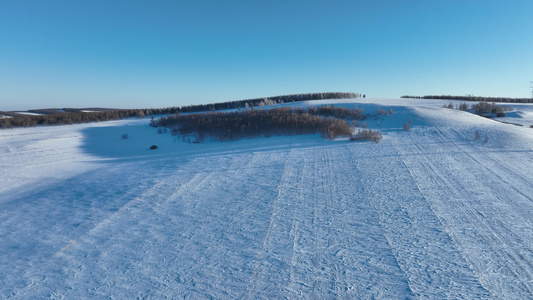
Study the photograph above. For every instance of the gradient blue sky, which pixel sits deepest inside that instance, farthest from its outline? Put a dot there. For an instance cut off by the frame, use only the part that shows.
(135, 54)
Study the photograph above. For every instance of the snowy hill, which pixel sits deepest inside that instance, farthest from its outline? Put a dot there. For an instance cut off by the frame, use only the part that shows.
(427, 213)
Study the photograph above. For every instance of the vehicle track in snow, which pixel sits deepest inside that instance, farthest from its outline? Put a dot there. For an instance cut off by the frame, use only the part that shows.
(487, 216)
(183, 217)
(428, 257)
(323, 240)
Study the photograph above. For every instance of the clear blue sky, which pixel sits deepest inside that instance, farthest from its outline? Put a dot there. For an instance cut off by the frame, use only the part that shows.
(134, 54)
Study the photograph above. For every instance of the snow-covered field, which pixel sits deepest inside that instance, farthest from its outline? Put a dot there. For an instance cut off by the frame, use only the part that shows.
(426, 213)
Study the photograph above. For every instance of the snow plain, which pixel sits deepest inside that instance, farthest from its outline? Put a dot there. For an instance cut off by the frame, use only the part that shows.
(426, 213)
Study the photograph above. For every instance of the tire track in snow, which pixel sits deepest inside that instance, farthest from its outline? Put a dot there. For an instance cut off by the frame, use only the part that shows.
(519, 260)
(173, 200)
(487, 233)
(322, 231)
(483, 201)
(203, 217)
(154, 193)
(425, 252)
(238, 218)
(259, 280)
(496, 162)
(350, 213)
(72, 208)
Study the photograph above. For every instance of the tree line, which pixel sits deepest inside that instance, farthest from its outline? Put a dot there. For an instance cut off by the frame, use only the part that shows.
(66, 118)
(75, 116)
(258, 102)
(474, 98)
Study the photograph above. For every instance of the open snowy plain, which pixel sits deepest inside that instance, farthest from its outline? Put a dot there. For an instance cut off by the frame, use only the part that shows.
(426, 213)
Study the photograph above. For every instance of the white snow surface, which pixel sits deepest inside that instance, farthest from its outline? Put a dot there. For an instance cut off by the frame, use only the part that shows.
(429, 213)
(27, 113)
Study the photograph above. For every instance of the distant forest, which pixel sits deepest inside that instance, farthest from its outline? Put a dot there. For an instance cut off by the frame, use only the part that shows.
(75, 116)
(329, 121)
(474, 98)
(266, 101)
(66, 118)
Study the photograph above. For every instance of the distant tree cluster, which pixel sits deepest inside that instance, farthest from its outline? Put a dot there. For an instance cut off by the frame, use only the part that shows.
(382, 111)
(474, 98)
(486, 108)
(253, 123)
(482, 108)
(462, 106)
(367, 135)
(337, 112)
